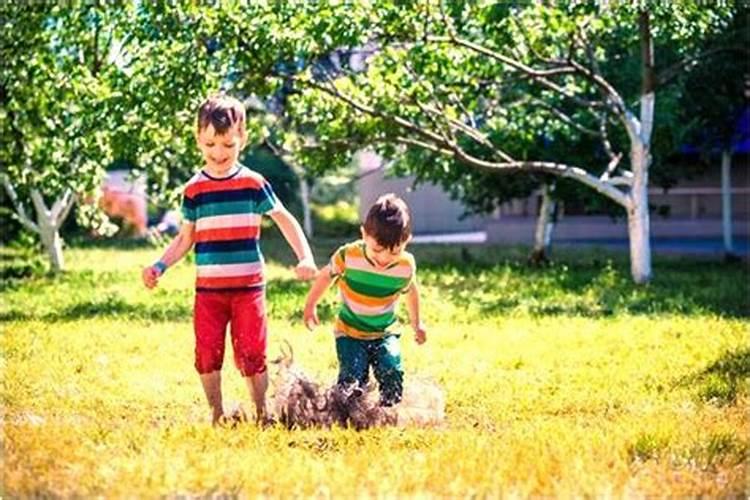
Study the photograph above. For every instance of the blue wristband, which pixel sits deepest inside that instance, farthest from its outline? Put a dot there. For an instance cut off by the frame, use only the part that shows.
(160, 266)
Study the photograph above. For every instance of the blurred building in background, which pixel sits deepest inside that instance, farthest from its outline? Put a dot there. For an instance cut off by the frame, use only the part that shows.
(692, 209)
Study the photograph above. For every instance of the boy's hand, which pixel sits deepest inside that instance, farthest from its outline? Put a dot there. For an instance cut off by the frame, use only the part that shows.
(310, 317)
(150, 276)
(306, 269)
(420, 334)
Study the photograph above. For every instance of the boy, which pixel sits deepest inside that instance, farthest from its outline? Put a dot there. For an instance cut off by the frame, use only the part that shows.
(372, 273)
(222, 208)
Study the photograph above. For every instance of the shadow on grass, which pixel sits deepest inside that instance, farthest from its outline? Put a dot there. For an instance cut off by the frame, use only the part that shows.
(480, 281)
(109, 306)
(285, 300)
(724, 380)
(584, 283)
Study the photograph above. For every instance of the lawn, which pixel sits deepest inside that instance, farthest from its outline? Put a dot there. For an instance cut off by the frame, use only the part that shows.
(561, 381)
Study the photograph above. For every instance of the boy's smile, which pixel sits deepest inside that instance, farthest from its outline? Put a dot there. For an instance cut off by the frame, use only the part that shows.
(220, 151)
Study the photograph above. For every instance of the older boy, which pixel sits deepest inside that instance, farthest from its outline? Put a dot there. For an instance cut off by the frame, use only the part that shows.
(222, 208)
(372, 273)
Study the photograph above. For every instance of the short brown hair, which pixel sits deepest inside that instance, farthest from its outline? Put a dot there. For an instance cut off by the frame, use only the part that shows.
(223, 112)
(388, 221)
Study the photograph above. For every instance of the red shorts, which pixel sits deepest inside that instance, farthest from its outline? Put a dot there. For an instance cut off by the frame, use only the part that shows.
(245, 311)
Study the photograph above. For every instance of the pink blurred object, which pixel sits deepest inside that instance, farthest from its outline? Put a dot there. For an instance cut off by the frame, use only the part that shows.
(124, 196)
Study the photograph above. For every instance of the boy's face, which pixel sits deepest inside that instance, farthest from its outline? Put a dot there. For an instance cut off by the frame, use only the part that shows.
(220, 151)
(382, 256)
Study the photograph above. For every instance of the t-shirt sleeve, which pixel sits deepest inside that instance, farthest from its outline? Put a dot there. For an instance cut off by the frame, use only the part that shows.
(338, 263)
(266, 200)
(412, 275)
(188, 208)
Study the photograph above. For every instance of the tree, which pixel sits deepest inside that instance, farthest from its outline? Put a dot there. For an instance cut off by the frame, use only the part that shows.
(473, 84)
(55, 120)
(716, 97)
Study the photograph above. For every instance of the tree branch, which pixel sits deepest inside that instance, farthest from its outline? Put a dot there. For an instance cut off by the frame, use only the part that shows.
(565, 118)
(39, 205)
(438, 144)
(363, 108)
(537, 75)
(559, 169)
(62, 207)
(20, 212)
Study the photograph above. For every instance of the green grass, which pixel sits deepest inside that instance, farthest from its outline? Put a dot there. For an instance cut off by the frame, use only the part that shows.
(567, 380)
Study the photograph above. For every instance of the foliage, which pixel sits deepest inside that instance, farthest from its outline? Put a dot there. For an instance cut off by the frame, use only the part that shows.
(281, 176)
(417, 81)
(55, 96)
(570, 382)
(336, 220)
(716, 91)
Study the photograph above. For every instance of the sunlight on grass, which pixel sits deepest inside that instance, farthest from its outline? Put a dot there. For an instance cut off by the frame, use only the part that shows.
(565, 381)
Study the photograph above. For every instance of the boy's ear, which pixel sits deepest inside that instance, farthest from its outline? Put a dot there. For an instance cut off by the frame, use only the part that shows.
(362, 231)
(243, 139)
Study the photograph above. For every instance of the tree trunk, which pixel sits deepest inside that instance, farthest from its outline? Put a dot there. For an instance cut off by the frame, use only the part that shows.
(639, 225)
(48, 222)
(52, 243)
(638, 217)
(545, 224)
(726, 201)
(304, 195)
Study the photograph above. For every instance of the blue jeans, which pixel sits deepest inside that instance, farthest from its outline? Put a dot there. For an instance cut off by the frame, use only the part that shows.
(384, 355)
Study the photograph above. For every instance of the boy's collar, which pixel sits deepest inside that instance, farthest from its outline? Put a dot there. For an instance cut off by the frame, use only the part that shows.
(372, 262)
(234, 170)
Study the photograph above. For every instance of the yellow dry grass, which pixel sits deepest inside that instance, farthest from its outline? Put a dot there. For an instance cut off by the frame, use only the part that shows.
(100, 399)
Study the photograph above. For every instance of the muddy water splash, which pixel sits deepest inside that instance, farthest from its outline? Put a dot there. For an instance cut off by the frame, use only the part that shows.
(300, 402)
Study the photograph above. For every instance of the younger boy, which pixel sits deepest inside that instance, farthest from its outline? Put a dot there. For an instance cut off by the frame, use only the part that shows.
(372, 273)
(222, 208)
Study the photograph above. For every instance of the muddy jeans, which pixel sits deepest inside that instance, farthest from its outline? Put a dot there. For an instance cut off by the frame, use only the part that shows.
(384, 355)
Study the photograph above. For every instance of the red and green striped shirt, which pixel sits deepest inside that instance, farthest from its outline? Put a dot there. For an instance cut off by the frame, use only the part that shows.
(227, 215)
(369, 293)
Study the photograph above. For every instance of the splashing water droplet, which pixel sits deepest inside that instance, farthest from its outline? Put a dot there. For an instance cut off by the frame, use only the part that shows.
(300, 402)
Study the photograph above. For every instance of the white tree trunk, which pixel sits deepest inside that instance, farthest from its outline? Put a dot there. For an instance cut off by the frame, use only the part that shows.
(52, 243)
(726, 201)
(638, 217)
(49, 222)
(545, 224)
(304, 195)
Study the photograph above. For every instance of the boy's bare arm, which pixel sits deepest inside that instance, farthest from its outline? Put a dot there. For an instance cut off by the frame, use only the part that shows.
(180, 245)
(412, 306)
(319, 287)
(294, 235)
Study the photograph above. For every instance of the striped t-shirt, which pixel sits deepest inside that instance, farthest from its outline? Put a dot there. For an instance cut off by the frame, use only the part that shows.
(227, 214)
(369, 293)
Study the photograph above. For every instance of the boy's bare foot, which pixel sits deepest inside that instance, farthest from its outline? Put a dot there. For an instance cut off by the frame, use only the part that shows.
(266, 421)
(236, 417)
(221, 421)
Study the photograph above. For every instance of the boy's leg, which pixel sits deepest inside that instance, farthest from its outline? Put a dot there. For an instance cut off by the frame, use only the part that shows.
(210, 317)
(249, 341)
(353, 365)
(257, 385)
(212, 388)
(386, 364)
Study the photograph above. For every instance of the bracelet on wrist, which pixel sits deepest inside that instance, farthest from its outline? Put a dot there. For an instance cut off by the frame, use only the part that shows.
(160, 266)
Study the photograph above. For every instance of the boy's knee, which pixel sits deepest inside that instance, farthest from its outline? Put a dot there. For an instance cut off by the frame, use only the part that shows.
(251, 364)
